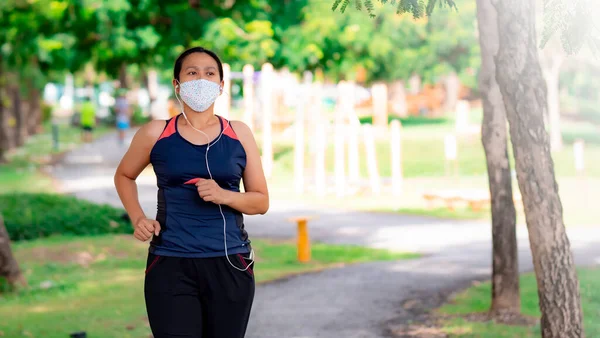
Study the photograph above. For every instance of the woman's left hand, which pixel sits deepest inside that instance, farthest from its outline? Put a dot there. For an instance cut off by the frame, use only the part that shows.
(210, 191)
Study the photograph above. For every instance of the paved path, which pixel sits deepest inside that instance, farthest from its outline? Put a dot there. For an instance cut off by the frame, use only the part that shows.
(355, 301)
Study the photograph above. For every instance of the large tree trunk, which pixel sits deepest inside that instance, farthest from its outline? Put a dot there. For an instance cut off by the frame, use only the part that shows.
(505, 262)
(9, 268)
(524, 91)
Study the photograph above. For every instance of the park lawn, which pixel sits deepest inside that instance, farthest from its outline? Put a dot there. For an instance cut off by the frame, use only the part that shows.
(423, 153)
(478, 299)
(23, 174)
(97, 282)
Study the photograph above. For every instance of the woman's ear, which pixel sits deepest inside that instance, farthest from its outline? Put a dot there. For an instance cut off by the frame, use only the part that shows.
(176, 85)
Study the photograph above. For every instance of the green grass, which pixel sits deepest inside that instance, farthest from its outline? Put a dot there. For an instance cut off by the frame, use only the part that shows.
(477, 299)
(458, 213)
(22, 173)
(98, 282)
(410, 120)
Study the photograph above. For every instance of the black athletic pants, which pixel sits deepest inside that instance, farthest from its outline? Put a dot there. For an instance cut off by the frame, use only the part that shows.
(198, 297)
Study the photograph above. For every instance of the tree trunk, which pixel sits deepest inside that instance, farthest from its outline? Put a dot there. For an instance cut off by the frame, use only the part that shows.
(505, 262)
(398, 98)
(523, 89)
(35, 111)
(123, 76)
(452, 88)
(4, 142)
(414, 84)
(9, 268)
(34, 117)
(20, 119)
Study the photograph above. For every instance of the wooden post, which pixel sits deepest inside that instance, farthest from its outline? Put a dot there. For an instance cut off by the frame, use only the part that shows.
(353, 152)
(380, 105)
(248, 72)
(340, 173)
(303, 238)
(396, 148)
(371, 159)
(314, 113)
(321, 145)
(267, 75)
(223, 104)
(340, 140)
(347, 113)
(462, 116)
(299, 144)
(450, 152)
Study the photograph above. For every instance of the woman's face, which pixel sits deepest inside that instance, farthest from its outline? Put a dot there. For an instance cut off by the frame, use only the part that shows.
(197, 66)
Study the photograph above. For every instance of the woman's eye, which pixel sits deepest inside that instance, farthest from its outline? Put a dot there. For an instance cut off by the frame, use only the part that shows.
(210, 73)
(191, 73)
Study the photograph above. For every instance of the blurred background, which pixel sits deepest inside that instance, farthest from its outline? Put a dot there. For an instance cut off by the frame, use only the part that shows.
(368, 127)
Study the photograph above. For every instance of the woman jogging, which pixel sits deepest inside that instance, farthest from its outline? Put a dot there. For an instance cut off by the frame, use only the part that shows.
(199, 273)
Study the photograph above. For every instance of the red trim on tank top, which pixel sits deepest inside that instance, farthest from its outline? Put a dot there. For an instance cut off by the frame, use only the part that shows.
(228, 129)
(169, 130)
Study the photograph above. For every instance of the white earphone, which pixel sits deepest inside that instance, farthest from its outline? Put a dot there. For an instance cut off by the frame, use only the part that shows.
(208, 145)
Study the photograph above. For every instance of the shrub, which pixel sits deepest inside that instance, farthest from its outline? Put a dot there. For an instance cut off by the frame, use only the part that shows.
(30, 216)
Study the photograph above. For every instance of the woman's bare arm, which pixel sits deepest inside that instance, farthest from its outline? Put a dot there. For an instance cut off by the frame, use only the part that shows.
(133, 163)
(255, 199)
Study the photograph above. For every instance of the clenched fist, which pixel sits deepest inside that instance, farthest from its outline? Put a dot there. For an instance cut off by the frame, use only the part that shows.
(144, 228)
(210, 191)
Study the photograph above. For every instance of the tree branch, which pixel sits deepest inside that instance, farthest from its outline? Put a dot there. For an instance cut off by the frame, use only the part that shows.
(418, 8)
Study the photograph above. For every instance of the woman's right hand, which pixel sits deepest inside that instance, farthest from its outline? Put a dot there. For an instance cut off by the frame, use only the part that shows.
(144, 228)
(133, 163)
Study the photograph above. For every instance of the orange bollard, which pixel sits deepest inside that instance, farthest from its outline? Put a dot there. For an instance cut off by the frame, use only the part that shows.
(303, 240)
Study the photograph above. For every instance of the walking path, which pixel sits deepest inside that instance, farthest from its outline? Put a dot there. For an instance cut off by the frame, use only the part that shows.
(356, 301)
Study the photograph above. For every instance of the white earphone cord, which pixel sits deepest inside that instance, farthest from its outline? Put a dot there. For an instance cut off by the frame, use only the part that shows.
(211, 177)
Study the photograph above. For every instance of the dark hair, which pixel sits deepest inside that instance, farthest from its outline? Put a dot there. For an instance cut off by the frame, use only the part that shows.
(179, 61)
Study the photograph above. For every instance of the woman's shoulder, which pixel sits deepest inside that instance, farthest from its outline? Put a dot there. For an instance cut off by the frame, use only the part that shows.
(241, 129)
(152, 130)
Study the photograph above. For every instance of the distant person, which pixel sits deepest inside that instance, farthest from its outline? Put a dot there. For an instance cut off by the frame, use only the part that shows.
(87, 119)
(123, 114)
(199, 271)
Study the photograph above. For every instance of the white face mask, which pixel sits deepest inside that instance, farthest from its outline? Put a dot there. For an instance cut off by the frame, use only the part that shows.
(199, 94)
